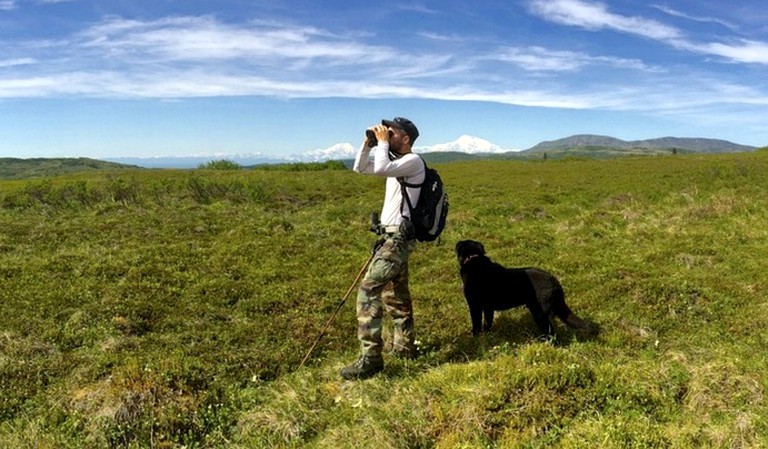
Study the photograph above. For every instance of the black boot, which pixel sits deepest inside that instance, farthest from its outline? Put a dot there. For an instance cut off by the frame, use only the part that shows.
(365, 367)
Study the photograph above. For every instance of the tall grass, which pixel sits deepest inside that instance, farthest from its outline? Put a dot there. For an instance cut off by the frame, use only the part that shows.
(172, 308)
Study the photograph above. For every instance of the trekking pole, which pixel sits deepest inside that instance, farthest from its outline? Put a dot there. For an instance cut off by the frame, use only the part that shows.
(351, 287)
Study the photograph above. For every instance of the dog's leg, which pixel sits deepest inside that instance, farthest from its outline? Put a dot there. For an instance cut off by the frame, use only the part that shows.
(541, 318)
(488, 315)
(476, 315)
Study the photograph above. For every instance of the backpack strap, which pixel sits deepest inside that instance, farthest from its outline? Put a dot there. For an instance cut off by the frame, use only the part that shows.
(404, 184)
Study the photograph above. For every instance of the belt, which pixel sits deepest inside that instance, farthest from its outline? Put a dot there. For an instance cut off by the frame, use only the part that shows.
(389, 229)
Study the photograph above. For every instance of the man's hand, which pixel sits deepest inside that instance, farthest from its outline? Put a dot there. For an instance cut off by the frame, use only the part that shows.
(382, 133)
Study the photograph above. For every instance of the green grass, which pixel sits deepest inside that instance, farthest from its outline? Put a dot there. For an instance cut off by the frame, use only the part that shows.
(172, 309)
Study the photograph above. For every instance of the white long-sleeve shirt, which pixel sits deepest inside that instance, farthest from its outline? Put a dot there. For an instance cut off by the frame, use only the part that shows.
(409, 166)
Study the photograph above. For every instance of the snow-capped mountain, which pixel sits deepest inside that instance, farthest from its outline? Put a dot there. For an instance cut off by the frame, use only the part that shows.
(339, 151)
(464, 144)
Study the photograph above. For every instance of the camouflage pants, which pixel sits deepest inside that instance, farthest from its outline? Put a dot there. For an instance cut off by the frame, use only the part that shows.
(386, 285)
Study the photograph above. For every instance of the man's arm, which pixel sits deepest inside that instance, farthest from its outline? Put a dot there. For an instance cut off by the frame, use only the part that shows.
(406, 166)
(362, 160)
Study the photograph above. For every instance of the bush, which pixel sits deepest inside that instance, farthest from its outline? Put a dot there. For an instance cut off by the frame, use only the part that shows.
(305, 166)
(223, 164)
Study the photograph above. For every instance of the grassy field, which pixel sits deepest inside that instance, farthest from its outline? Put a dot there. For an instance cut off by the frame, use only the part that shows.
(171, 309)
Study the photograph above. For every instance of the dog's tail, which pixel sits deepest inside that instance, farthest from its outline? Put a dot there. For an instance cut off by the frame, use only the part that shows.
(566, 315)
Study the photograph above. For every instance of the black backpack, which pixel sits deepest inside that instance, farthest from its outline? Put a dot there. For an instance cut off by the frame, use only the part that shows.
(429, 214)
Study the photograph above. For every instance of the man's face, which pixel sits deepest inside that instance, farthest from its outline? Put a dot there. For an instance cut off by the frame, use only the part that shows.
(396, 136)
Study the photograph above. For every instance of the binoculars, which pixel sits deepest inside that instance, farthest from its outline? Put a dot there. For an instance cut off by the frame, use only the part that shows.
(372, 140)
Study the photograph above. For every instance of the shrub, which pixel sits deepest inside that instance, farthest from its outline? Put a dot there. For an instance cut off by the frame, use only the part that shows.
(222, 164)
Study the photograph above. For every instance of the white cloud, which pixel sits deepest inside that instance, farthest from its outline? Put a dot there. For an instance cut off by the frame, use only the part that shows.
(595, 16)
(747, 51)
(204, 38)
(676, 13)
(542, 59)
(9, 5)
(414, 7)
(200, 56)
(16, 62)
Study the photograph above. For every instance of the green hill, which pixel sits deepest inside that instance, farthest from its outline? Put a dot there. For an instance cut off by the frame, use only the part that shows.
(15, 168)
(172, 308)
(601, 147)
(598, 152)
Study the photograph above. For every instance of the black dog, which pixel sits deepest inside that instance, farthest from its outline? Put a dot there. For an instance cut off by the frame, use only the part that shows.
(489, 287)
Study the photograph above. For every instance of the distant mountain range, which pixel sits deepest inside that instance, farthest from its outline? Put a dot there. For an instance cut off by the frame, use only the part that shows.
(696, 145)
(465, 147)
(341, 151)
(584, 145)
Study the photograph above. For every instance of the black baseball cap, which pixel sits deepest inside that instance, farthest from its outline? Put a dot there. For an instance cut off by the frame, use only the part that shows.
(404, 124)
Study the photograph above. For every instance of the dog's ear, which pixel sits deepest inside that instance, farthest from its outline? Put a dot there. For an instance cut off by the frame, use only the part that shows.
(476, 247)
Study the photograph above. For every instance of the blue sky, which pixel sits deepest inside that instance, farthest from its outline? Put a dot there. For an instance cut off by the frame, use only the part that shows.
(140, 78)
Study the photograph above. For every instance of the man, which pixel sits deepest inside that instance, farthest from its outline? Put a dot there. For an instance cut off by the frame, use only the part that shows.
(386, 282)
